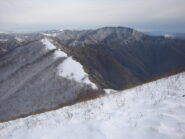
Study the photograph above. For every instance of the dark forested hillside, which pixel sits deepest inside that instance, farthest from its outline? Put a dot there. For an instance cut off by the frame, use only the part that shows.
(111, 57)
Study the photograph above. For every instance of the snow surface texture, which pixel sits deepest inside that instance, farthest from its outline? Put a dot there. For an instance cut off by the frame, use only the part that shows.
(152, 111)
(48, 44)
(70, 68)
(19, 39)
(73, 70)
(60, 53)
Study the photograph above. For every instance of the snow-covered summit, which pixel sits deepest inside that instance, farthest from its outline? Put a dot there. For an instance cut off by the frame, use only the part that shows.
(155, 110)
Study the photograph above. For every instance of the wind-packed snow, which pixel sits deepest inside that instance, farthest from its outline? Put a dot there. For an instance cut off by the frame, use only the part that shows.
(19, 39)
(70, 68)
(73, 70)
(152, 111)
(48, 44)
(59, 53)
(109, 91)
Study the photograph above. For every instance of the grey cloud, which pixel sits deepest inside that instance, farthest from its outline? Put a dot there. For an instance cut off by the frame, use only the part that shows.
(15, 14)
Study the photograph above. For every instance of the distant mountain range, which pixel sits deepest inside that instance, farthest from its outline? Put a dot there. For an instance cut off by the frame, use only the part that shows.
(50, 69)
(170, 34)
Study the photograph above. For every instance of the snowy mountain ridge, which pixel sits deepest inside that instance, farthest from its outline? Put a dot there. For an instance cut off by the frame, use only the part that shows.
(47, 70)
(70, 68)
(37, 77)
(154, 110)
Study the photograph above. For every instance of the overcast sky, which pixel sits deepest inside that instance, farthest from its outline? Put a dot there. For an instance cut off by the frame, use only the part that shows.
(147, 15)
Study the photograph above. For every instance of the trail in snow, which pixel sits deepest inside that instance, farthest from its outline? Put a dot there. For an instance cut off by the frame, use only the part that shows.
(152, 111)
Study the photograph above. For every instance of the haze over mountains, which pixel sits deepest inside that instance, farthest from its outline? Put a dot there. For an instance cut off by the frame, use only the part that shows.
(167, 34)
(35, 76)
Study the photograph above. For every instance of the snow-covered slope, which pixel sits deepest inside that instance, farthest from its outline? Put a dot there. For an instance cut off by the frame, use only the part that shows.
(30, 81)
(152, 111)
(73, 70)
(119, 57)
(70, 68)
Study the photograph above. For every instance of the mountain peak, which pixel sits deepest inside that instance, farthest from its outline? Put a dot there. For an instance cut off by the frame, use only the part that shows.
(81, 37)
